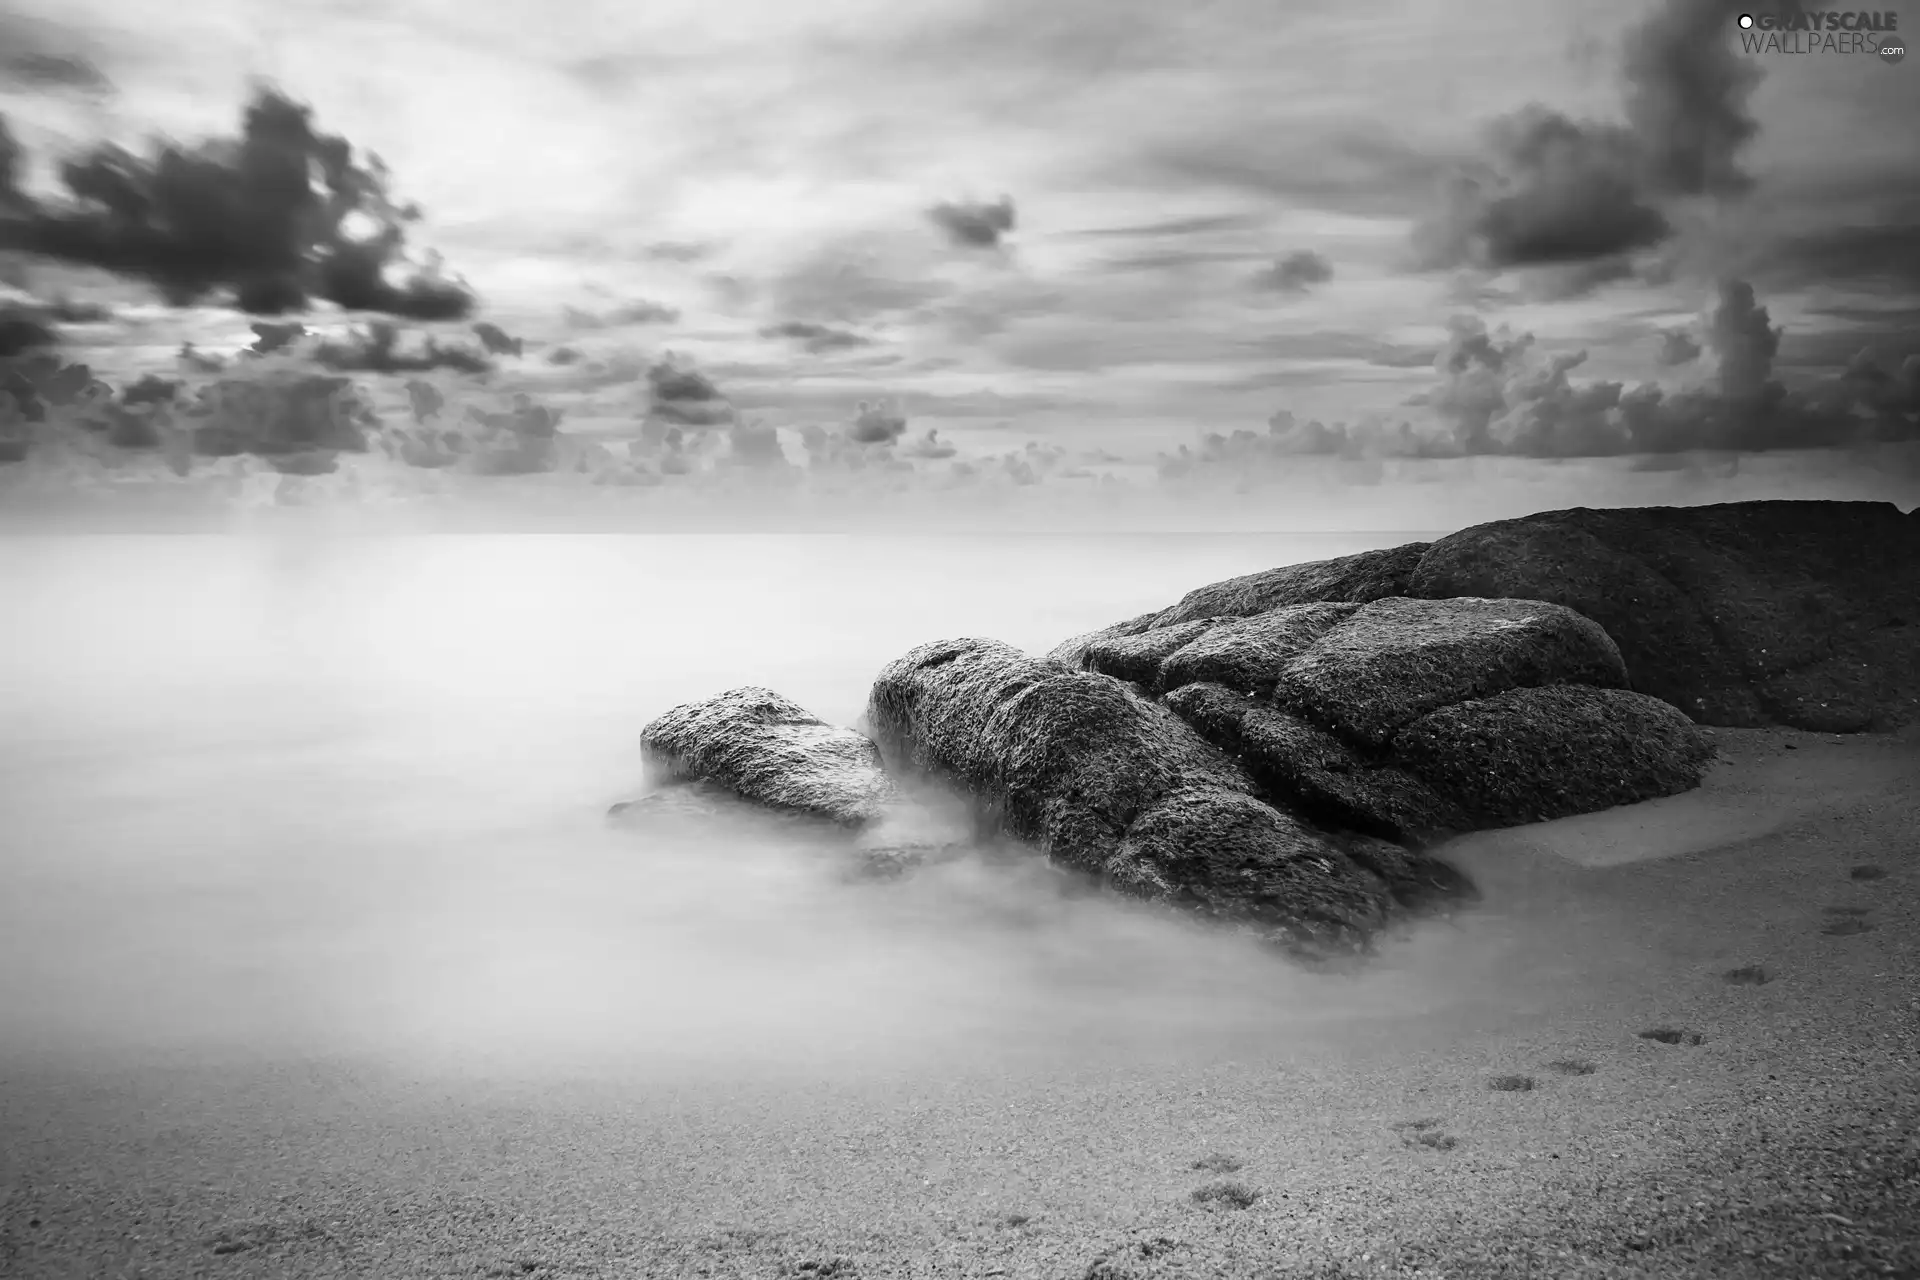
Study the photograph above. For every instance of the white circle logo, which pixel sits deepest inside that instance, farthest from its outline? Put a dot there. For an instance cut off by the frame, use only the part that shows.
(1746, 22)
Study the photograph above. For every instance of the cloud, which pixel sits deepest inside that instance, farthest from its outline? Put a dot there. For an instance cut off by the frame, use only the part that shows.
(1205, 224)
(1743, 341)
(639, 311)
(875, 425)
(855, 281)
(378, 349)
(686, 396)
(1883, 255)
(12, 199)
(1497, 395)
(1174, 258)
(39, 57)
(973, 224)
(1678, 347)
(678, 251)
(24, 331)
(1555, 191)
(1356, 168)
(241, 214)
(1296, 273)
(817, 338)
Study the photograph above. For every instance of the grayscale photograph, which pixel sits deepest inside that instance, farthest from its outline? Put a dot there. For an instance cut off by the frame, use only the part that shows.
(959, 640)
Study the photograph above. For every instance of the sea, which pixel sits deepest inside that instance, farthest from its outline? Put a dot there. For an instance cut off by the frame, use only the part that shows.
(299, 797)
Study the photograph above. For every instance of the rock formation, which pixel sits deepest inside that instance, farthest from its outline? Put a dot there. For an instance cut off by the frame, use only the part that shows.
(1104, 780)
(1278, 750)
(751, 751)
(1803, 614)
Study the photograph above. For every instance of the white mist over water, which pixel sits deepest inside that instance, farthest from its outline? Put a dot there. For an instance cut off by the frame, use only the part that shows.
(345, 797)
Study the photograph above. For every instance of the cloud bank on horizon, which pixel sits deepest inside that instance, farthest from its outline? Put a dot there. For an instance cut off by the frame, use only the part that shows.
(1182, 218)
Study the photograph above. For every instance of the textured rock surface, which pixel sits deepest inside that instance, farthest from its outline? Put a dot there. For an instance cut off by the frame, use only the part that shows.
(1249, 654)
(1529, 755)
(1313, 699)
(1804, 614)
(1108, 782)
(1302, 767)
(1395, 660)
(768, 749)
(1073, 651)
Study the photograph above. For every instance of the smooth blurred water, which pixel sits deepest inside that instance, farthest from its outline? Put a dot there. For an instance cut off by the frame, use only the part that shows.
(345, 796)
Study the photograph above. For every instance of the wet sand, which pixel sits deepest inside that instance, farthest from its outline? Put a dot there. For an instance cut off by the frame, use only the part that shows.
(1768, 926)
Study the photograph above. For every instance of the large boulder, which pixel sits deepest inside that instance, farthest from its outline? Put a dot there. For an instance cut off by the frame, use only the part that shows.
(1302, 767)
(1745, 614)
(1109, 782)
(1364, 670)
(1533, 754)
(752, 764)
(1340, 711)
(768, 749)
(1395, 660)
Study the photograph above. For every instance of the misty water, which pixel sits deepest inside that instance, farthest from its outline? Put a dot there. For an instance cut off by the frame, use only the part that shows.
(345, 797)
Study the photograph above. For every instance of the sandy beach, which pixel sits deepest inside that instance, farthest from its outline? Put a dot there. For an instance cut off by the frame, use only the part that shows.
(1525, 1125)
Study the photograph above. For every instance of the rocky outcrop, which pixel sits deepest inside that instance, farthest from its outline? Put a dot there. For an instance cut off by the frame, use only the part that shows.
(751, 762)
(1300, 766)
(766, 748)
(1533, 754)
(1417, 719)
(1395, 660)
(1347, 713)
(1248, 654)
(1805, 614)
(1111, 783)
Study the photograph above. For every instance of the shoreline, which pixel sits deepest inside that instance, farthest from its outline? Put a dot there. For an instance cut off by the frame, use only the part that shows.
(1782, 1144)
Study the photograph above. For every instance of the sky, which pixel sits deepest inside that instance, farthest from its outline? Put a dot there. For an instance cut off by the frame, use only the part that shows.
(1518, 225)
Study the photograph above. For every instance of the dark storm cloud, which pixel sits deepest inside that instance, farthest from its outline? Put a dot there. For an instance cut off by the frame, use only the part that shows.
(1497, 395)
(1553, 190)
(239, 213)
(817, 338)
(1296, 273)
(974, 224)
